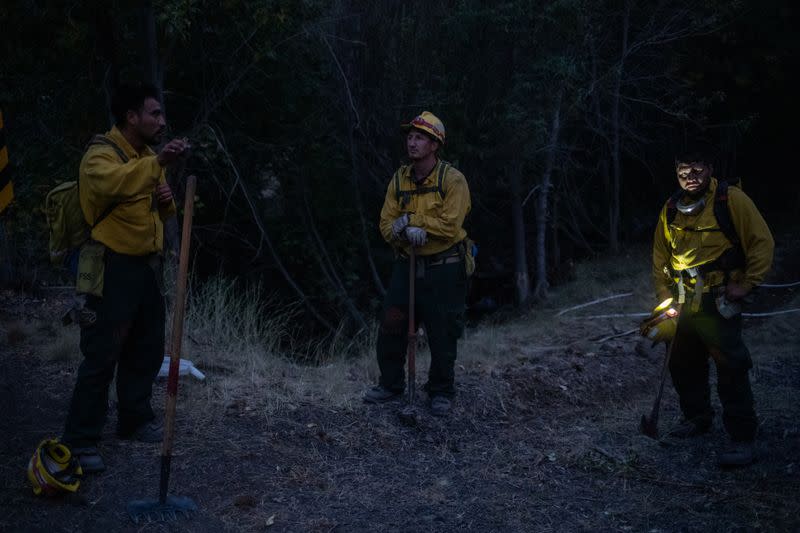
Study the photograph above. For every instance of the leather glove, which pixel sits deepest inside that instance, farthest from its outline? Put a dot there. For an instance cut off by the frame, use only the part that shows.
(416, 236)
(399, 225)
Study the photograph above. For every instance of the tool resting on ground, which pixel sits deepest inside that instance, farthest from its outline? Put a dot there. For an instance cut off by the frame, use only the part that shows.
(409, 414)
(166, 508)
(661, 325)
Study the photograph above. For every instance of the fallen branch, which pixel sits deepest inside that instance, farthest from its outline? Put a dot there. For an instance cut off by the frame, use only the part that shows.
(609, 455)
(639, 315)
(625, 334)
(593, 302)
(675, 483)
(612, 315)
(779, 285)
(773, 313)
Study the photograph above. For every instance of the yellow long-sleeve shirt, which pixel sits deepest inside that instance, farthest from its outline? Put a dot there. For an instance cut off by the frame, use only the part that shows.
(692, 241)
(441, 218)
(135, 225)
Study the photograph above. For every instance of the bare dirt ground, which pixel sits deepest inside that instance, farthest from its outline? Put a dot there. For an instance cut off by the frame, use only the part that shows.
(544, 439)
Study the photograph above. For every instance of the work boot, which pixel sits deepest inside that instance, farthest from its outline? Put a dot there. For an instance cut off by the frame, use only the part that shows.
(737, 454)
(148, 432)
(89, 458)
(440, 406)
(690, 428)
(380, 394)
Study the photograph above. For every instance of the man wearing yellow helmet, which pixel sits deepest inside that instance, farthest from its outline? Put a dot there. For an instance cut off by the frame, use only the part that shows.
(711, 248)
(424, 209)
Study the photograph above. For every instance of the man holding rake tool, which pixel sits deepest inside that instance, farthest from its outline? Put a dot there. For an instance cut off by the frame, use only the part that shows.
(422, 219)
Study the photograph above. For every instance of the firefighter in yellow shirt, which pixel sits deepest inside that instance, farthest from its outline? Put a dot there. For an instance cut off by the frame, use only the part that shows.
(125, 199)
(711, 248)
(425, 206)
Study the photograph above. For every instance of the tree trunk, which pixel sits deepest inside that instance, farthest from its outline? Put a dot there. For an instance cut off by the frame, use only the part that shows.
(106, 44)
(616, 173)
(151, 64)
(327, 266)
(521, 280)
(348, 69)
(7, 276)
(555, 253)
(540, 289)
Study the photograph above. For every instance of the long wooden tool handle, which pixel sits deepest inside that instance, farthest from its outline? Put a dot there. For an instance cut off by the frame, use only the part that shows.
(412, 330)
(664, 372)
(177, 335)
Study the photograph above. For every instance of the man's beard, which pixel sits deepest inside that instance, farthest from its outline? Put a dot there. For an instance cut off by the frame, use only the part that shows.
(155, 139)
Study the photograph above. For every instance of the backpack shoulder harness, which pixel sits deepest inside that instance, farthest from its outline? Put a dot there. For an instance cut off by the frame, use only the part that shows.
(734, 257)
(404, 196)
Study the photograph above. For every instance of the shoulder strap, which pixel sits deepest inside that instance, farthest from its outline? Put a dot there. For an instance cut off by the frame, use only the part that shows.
(102, 139)
(443, 166)
(403, 197)
(396, 180)
(672, 205)
(103, 215)
(722, 213)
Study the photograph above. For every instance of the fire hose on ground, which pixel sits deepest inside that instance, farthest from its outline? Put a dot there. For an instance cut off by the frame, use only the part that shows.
(645, 315)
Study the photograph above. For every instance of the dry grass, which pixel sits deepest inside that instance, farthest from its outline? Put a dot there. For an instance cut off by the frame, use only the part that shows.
(627, 271)
(63, 345)
(243, 343)
(52, 341)
(240, 341)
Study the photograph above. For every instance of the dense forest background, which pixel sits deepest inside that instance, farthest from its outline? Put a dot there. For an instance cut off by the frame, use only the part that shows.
(564, 115)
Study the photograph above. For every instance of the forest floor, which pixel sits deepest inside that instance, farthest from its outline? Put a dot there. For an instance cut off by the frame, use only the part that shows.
(543, 435)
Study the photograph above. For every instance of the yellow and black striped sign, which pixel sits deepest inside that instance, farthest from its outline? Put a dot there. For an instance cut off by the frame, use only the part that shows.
(6, 187)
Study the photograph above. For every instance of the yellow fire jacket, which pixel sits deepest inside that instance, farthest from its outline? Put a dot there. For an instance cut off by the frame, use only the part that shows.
(692, 241)
(135, 225)
(441, 216)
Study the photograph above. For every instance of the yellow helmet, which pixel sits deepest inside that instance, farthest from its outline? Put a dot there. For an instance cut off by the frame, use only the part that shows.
(662, 324)
(664, 331)
(52, 469)
(429, 123)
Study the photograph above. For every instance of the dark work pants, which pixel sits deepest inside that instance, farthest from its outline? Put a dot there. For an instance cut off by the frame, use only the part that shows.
(703, 334)
(440, 296)
(128, 337)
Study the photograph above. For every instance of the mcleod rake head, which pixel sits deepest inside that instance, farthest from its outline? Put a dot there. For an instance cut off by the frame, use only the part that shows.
(172, 508)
